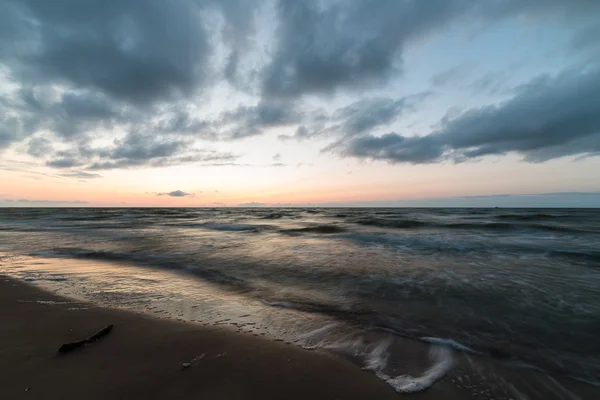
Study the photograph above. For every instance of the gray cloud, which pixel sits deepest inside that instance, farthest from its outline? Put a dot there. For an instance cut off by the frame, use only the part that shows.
(39, 147)
(80, 175)
(395, 148)
(132, 50)
(250, 121)
(95, 69)
(352, 44)
(547, 118)
(176, 193)
(365, 115)
(586, 38)
(99, 65)
(344, 44)
(357, 118)
(64, 163)
(136, 150)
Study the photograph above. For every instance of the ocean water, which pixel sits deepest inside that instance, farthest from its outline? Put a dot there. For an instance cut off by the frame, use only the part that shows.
(520, 286)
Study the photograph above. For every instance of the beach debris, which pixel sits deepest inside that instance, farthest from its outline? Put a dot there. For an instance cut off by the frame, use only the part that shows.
(68, 347)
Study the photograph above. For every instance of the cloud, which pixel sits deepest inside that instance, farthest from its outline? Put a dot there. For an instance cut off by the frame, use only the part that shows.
(103, 65)
(277, 157)
(137, 150)
(357, 118)
(586, 38)
(546, 118)
(250, 121)
(80, 175)
(344, 44)
(395, 148)
(176, 193)
(353, 44)
(137, 78)
(122, 49)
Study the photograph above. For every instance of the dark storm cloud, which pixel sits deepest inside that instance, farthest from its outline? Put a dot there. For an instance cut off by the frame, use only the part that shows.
(116, 62)
(547, 118)
(324, 46)
(176, 193)
(395, 148)
(140, 51)
(346, 43)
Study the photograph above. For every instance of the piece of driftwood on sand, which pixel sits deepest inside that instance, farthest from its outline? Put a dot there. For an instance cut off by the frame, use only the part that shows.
(68, 347)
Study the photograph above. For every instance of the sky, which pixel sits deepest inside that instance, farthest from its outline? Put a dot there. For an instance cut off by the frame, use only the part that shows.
(286, 102)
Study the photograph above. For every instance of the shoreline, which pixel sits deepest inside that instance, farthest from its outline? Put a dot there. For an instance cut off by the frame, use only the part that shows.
(143, 357)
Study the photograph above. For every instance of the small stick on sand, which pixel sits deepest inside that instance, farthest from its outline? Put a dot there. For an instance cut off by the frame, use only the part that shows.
(68, 347)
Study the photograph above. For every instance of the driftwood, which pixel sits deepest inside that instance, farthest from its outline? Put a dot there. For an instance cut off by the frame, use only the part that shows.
(68, 347)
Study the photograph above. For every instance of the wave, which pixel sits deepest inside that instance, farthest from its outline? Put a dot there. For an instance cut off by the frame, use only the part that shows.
(212, 275)
(589, 256)
(488, 226)
(507, 226)
(319, 229)
(273, 216)
(388, 223)
(529, 217)
(443, 361)
(214, 226)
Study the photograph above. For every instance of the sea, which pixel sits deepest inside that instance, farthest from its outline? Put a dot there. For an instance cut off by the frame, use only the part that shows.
(515, 287)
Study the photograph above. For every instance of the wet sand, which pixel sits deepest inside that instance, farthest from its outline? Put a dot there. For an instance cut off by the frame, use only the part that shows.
(143, 358)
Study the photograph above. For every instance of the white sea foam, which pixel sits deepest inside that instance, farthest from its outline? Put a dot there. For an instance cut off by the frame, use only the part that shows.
(377, 359)
(443, 361)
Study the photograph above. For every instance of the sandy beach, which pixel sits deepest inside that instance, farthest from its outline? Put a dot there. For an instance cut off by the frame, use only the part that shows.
(147, 358)
(143, 357)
